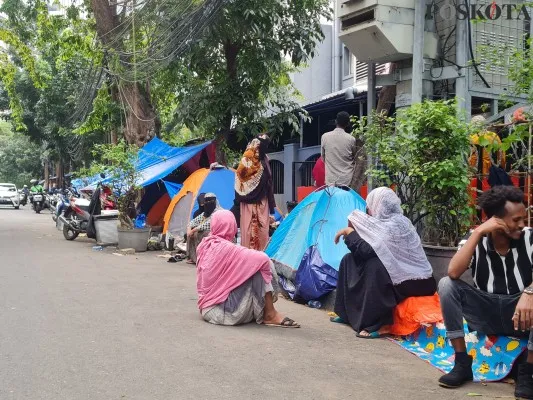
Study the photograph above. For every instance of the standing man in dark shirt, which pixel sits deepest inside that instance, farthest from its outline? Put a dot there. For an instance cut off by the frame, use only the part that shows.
(499, 254)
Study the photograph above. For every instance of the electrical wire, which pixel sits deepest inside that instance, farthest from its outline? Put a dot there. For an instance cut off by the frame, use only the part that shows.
(469, 24)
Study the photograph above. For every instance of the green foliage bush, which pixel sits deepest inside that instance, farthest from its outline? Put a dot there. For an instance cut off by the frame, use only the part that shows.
(423, 152)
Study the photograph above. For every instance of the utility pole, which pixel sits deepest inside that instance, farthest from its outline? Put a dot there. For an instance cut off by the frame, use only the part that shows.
(418, 52)
(370, 106)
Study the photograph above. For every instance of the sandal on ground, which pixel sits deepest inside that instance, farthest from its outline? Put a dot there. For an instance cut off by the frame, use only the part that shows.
(337, 320)
(371, 335)
(286, 323)
(176, 258)
(191, 262)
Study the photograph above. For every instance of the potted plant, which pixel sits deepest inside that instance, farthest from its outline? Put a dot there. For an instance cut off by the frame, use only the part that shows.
(119, 162)
(423, 153)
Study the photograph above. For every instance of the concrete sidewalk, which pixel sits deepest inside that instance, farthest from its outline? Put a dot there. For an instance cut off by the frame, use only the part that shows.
(81, 324)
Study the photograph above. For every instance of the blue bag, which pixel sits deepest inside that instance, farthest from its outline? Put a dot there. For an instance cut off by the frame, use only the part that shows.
(140, 221)
(314, 277)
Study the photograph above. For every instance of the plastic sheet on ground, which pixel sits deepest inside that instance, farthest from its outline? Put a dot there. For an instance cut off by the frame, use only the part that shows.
(494, 356)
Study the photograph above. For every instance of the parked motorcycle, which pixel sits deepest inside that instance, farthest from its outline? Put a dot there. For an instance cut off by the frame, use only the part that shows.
(75, 218)
(62, 203)
(77, 215)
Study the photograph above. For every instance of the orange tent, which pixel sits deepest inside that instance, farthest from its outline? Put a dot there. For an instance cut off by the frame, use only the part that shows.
(219, 181)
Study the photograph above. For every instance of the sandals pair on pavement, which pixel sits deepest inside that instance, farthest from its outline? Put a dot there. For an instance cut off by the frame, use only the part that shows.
(285, 323)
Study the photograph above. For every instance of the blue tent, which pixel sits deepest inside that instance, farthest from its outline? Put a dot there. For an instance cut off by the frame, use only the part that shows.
(302, 247)
(219, 181)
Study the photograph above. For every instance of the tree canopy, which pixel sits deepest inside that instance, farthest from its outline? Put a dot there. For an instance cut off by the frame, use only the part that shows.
(138, 69)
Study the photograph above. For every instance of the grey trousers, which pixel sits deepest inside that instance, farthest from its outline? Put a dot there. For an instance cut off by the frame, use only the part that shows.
(244, 304)
(484, 312)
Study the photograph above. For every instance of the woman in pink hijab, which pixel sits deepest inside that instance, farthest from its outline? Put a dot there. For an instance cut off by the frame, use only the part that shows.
(235, 284)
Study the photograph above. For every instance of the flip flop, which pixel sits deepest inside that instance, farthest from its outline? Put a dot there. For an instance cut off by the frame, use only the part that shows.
(337, 320)
(286, 323)
(371, 335)
(191, 262)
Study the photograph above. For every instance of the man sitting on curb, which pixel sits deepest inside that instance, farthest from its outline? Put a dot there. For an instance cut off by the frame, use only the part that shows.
(499, 253)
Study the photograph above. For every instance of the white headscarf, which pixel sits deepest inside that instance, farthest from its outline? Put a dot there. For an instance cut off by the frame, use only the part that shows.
(392, 236)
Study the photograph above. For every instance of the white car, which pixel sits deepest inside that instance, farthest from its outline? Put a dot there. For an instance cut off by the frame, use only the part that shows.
(9, 195)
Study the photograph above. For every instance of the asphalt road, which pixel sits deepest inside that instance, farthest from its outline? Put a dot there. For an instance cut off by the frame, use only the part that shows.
(79, 324)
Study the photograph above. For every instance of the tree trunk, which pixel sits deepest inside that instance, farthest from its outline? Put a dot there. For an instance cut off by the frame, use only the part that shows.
(142, 122)
(113, 136)
(59, 174)
(359, 175)
(387, 97)
(231, 51)
(46, 174)
(141, 119)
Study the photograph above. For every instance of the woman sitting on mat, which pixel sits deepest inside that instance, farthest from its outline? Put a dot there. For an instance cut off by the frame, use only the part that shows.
(235, 284)
(200, 226)
(386, 264)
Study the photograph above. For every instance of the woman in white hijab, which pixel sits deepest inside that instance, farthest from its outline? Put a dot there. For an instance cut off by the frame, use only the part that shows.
(386, 264)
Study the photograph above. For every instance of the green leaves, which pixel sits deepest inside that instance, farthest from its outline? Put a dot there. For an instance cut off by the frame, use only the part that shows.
(237, 75)
(423, 153)
(19, 158)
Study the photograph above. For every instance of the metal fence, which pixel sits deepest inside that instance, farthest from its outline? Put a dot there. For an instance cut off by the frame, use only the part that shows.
(305, 176)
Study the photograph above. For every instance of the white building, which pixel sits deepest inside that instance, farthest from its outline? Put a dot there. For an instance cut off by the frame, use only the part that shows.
(332, 81)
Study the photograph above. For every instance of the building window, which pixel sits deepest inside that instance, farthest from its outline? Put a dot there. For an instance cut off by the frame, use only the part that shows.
(306, 170)
(347, 62)
(361, 71)
(278, 178)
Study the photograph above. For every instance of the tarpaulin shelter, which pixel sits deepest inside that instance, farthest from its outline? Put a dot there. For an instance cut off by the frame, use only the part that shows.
(157, 159)
(302, 247)
(220, 181)
(156, 199)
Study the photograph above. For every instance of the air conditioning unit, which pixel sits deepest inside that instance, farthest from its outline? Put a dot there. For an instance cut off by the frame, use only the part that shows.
(381, 30)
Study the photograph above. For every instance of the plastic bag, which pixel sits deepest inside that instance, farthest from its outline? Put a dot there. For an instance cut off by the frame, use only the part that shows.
(140, 221)
(314, 277)
(287, 285)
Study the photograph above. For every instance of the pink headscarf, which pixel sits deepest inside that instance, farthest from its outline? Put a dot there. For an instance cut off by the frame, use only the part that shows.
(223, 266)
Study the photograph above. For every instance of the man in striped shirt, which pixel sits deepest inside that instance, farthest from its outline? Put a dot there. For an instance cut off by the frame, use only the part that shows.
(499, 254)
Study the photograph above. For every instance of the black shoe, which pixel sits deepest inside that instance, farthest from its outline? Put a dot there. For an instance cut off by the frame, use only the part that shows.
(461, 373)
(524, 382)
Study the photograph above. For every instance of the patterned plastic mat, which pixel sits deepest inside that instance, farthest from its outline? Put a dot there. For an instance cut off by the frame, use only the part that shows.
(494, 356)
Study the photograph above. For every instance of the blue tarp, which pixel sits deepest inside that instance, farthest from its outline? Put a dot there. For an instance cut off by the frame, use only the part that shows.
(157, 159)
(172, 188)
(81, 183)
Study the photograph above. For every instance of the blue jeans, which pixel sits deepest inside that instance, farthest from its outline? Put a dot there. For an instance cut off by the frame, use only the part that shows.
(484, 312)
